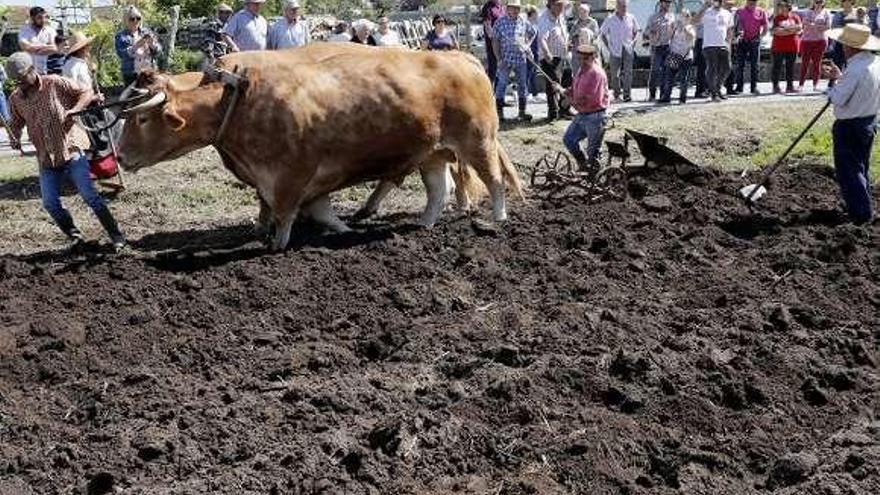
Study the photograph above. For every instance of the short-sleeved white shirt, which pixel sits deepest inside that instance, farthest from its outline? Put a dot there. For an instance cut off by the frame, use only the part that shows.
(620, 32)
(44, 36)
(247, 30)
(77, 69)
(716, 24)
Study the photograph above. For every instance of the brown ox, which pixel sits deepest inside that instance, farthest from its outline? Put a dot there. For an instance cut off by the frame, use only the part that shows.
(321, 118)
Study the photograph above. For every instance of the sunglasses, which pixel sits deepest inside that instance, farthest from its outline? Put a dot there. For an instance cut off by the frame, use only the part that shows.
(135, 19)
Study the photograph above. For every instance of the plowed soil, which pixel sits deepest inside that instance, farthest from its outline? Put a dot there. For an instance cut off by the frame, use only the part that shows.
(674, 342)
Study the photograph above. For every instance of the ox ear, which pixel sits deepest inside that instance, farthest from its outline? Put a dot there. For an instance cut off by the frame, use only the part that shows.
(173, 119)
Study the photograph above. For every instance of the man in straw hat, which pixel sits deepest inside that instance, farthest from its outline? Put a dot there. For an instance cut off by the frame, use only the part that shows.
(77, 65)
(247, 29)
(513, 37)
(553, 47)
(856, 100)
(46, 104)
(589, 96)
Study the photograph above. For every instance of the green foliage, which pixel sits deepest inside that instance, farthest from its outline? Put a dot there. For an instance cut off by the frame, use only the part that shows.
(191, 8)
(185, 61)
(104, 52)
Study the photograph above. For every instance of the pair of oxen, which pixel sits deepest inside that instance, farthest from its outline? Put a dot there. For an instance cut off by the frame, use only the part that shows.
(317, 119)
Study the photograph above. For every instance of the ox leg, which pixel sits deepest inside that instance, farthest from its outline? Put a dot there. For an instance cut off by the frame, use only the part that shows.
(264, 221)
(499, 207)
(372, 205)
(321, 211)
(283, 226)
(434, 177)
(487, 162)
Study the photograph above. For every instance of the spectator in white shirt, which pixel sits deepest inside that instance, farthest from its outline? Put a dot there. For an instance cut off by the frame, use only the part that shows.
(619, 31)
(856, 100)
(247, 29)
(291, 31)
(384, 35)
(38, 38)
(717, 34)
(77, 65)
(553, 52)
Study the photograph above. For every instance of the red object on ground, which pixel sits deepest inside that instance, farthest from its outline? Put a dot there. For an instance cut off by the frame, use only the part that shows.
(103, 167)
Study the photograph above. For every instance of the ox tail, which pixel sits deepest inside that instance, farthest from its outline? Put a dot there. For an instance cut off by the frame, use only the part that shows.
(511, 176)
(468, 182)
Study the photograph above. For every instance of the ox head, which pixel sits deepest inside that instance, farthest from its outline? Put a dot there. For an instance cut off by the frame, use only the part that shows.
(174, 115)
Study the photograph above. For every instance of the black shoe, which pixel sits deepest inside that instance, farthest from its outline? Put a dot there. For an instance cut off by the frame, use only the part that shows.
(722, 96)
(735, 92)
(112, 228)
(627, 99)
(699, 96)
(756, 91)
(715, 99)
(663, 101)
(682, 101)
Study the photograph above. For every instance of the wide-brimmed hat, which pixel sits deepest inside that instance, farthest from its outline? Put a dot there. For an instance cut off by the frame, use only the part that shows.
(254, 1)
(291, 4)
(587, 48)
(855, 36)
(514, 3)
(78, 41)
(224, 8)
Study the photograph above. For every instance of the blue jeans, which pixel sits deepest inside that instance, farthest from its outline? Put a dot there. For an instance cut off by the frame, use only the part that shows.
(521, 72)
(747, 51)
(4, 107)
(680, 75)
(589, 126)
(853, 139)
(51, 180)
(658, 69)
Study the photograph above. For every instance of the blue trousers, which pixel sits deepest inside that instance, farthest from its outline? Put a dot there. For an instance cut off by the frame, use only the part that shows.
(589, 126)
(521, 73)
(658, 70)
(4, 107)
(51, 180)
(747, 51)
(853, 139)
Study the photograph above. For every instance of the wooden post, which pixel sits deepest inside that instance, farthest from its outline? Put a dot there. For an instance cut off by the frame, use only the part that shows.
(172, 34)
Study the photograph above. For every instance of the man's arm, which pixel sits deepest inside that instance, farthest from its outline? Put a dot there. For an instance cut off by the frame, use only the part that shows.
(77, 96)
(496, 42)
(15, 126)
(229, 32)
(845, 86)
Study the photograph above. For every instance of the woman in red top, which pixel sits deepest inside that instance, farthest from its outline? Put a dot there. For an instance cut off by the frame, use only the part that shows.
(786, 40)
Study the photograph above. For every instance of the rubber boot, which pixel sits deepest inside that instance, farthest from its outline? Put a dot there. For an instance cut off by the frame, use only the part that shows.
(112, 228)
(523, 116)
(65, 223)
(499, 106)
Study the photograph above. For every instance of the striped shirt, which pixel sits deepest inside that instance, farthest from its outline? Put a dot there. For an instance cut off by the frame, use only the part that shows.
(554, 32)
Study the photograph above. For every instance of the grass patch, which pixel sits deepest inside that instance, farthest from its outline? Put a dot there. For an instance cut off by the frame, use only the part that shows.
(13, 168)
(817, 146)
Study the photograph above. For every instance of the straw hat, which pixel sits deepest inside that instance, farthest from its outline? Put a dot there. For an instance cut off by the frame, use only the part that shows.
(586, 48)
(224, 8)
(855, 36)
(514, 3)
(78, 41)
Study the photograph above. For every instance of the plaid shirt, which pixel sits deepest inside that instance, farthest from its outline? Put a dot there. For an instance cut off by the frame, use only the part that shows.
(42, 109)
(515, 36)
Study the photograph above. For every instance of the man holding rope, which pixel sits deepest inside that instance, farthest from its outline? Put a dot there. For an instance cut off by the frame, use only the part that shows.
(513, 36)
(589, 96)
(553, 47)
(46, 105)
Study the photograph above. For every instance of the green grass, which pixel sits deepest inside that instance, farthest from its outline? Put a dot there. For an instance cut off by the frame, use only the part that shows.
(14, 168)
(817, 145)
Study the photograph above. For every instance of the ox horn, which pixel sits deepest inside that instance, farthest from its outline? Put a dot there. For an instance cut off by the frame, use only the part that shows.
(154, 101)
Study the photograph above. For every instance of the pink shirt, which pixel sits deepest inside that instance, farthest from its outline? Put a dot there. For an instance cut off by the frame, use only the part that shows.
(815, 24)
(589, 91)
(751, 20)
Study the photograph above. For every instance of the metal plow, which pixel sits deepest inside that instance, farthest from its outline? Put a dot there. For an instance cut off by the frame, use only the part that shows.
(556, 177)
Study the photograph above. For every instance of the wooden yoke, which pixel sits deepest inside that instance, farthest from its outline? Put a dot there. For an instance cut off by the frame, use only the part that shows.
(234, 84)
